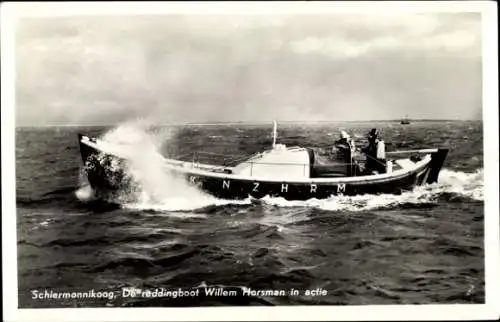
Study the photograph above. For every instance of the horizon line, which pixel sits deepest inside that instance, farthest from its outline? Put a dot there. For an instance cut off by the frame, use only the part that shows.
(247, 122)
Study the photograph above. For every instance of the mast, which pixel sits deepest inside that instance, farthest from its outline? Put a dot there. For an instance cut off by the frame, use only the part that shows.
(275, 133)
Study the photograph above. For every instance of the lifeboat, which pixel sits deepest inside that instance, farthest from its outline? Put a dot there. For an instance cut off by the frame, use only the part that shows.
(294, 173)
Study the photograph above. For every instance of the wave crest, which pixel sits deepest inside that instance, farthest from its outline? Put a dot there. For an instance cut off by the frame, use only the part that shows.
(457, 183)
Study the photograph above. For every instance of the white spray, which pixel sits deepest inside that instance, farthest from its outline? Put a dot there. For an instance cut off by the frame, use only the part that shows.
(154, 186)
(469, 185)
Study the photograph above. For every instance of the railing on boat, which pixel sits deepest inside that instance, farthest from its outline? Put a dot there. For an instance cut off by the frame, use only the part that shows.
(231, 161)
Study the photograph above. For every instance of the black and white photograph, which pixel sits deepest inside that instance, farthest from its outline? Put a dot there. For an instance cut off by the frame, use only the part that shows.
(248, 161)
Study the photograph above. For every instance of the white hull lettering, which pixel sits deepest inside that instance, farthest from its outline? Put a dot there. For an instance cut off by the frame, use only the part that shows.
(341, 188)
(313, 188)
(225, 184)
(194, 180)
(255, 186)
(284, 187)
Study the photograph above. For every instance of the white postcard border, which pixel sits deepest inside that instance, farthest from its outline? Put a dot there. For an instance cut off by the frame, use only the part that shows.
(490, 310)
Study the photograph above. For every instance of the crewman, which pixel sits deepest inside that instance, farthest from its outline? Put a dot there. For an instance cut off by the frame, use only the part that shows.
(345, 148)
(345, 139)
(375, 153)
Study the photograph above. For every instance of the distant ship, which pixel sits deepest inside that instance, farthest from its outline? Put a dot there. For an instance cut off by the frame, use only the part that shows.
(405, 120)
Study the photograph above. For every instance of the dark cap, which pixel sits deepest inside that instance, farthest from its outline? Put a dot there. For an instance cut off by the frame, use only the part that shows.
(373, 132)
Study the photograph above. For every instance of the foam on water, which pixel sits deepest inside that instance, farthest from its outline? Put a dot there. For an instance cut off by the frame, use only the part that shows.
(468, 185)
(183, 203)
(84, 191)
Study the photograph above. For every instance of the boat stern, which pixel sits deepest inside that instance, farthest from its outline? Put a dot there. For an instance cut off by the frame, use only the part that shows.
(436, 164)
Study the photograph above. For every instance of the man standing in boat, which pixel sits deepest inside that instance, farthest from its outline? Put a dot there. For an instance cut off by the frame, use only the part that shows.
(375, 154)
(345, 149)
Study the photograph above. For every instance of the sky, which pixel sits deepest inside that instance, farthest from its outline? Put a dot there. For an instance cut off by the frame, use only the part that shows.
(255, 68)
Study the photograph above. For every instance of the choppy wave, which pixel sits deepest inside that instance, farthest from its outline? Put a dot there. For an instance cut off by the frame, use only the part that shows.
(465, 184)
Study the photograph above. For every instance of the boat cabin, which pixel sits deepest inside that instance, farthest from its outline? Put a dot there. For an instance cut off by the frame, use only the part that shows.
(294, 163)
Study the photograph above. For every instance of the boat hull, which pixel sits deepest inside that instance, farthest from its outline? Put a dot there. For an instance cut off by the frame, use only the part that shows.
(103, 179)
(240, 189)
